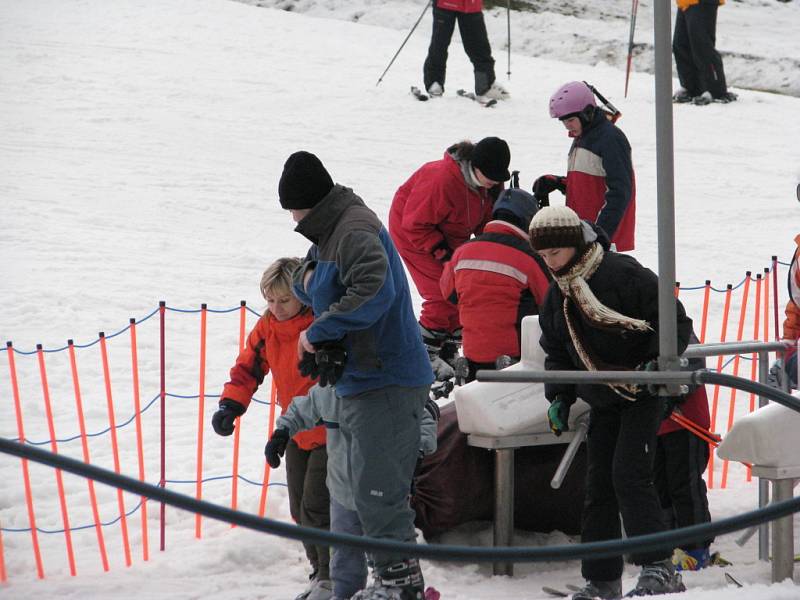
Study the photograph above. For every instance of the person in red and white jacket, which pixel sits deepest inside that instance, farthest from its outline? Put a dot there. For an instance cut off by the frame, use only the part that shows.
(600, 184)
(469, 16)
(442, 205)
(496, 279)
(791, 326)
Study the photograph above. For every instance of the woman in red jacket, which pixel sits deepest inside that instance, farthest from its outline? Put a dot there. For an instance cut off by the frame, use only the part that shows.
(442, 205)
(272, 346)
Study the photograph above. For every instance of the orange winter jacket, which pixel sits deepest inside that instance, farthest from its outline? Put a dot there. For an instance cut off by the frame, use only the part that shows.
(272, 345)
(684, 4)
(791, 326)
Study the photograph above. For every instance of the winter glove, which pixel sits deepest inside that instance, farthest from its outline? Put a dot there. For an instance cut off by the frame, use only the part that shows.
(648, 389)
(276, 446)
(442, 252)
(327, 362)
(558, 414)
(670, 404)
(223, 419)
(546, 184)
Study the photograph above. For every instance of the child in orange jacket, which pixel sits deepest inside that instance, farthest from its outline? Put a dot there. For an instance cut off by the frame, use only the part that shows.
(272, 346)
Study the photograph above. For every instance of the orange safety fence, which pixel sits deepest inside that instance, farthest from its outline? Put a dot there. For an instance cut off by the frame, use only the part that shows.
(759, 314)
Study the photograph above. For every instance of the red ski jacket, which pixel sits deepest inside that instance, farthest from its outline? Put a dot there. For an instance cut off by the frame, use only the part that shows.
(437, 206)
(272, 345)
(495, 280)
(601, 186)
(462, 6)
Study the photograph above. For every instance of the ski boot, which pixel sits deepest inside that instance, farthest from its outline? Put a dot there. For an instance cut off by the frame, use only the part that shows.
(600, 590)
(399, 581)
(658, 578)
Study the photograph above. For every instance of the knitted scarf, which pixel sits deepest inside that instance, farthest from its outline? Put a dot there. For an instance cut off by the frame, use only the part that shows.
(573, 286)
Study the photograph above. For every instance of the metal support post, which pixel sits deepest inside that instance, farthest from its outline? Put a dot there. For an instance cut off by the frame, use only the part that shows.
(504, 506)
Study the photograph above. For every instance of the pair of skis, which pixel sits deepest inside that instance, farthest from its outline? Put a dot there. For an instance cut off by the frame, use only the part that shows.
(556, 593)
(422, 96)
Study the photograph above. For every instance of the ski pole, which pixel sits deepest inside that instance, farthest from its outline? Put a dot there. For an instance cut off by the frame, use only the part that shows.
(508, 15)
(391, 62)
(634, 8)
(615, 112)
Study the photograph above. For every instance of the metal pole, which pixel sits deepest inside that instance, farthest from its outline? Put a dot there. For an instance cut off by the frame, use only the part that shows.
(508, 15)
(763, 484)
(504, 506)
(581, 431)
(667, 312)
(391, 62)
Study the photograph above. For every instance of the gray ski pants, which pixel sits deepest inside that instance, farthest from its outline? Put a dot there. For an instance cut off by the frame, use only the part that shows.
(382, 427)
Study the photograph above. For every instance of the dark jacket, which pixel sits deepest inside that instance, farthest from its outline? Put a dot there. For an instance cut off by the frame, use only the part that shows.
(359, 293)
(601, 186)
(622, 284)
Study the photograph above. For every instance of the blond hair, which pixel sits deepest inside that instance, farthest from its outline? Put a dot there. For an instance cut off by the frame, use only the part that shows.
(277, 279)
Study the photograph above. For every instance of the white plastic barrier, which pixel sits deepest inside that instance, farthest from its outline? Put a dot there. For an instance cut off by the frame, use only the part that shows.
(503, 409)
(767, 437)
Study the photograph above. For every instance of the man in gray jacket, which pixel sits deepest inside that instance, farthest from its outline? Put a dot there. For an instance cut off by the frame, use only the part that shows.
(322, 405)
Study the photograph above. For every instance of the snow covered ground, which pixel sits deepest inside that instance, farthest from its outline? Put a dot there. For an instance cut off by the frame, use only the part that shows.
(140, 152)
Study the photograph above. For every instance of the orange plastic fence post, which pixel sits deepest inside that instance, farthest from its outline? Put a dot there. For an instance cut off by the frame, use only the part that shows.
(736, 360)
(704, 321)
(137, 412)
(200, 415)
(715, 399)
(3, 576)
(273, 400)
(766, 304)
(62, 499)
(25, 474)
(754, 356)
(238, 423)
(85, 445)
(115, 448)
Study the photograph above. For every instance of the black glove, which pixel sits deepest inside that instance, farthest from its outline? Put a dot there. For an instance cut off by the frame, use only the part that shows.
(308, 365)
(670, 404)
(223, 419)
(276, 446)
(546, 184)
(331, 357)
(649, 389)
(442, 252)
(558, 414)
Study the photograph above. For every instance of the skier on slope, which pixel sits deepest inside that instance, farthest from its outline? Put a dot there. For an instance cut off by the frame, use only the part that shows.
(601, 313)
(497, 269)
(439, 208)
(600, 183)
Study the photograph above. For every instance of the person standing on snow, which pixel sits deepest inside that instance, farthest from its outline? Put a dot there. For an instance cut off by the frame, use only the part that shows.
(439, 208)
(363, 340)
(497, 269)
(272, 346)
(697, 61)
(791, 325)
(600, 314)
(600, 183)
(348, 564)
(469, 15)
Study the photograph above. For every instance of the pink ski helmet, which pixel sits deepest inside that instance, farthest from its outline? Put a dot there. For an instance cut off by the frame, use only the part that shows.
(570, 99)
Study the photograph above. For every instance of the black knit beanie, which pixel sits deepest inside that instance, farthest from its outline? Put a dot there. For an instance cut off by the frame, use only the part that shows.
(304, 181)
(492, 156)
(556, 227)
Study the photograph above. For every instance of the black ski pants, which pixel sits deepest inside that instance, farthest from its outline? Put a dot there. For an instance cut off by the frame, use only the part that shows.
(621, 448)
(681, 459)
(697, 61)
(476, 45)
(309, 501)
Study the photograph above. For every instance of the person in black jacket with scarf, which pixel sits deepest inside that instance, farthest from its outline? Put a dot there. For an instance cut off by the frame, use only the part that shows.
(601, 314)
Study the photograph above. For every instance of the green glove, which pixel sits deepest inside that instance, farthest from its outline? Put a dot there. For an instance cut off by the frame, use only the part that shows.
(558, 415)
